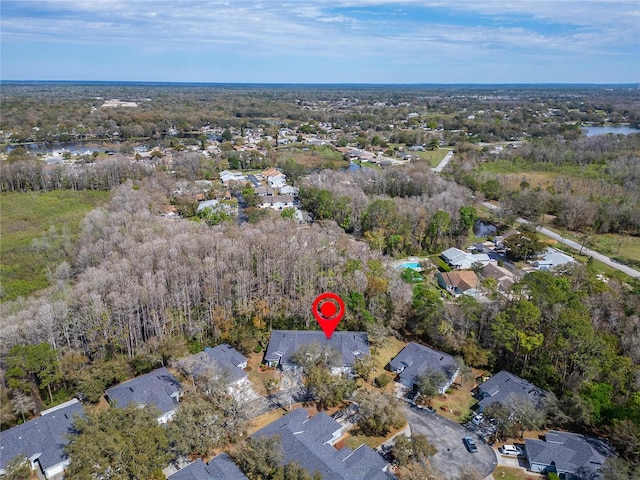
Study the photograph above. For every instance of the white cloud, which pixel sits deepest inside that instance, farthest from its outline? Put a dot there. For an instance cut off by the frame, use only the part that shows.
(332, 28)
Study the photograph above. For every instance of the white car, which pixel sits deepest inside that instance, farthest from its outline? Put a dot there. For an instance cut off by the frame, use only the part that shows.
(477, 420)
(511, 450)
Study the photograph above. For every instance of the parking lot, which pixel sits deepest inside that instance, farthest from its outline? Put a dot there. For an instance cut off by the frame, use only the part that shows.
(481, 427)
(452, 457)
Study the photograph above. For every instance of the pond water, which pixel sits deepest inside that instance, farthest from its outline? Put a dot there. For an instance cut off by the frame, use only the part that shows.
(484, 229)
(624, 130)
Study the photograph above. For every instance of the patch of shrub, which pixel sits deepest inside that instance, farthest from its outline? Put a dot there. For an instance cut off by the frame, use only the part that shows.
(382, 380)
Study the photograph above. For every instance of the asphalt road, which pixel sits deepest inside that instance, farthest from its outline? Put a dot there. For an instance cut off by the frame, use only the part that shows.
(452, 457)
(576, 246)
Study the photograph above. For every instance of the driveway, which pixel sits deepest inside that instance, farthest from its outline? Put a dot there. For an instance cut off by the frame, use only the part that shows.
(452, 457)
(444, 162)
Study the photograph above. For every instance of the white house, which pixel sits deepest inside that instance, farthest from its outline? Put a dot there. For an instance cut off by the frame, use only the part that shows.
(275, 178)
(551, 259)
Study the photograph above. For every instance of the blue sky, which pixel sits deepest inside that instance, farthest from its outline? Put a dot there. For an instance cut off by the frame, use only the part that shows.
(324, 41)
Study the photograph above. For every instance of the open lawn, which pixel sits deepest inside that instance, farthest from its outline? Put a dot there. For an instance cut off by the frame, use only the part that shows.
(434, 157)
(37, 232)
(457, 402)
(383, 355)
(354, 439)
(313, 157)
(258, 376)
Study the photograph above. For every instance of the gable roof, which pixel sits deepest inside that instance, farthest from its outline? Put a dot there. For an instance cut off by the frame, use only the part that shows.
(305, 440)
(157, 387)
(415, 359)
(272, 172)
(463, 260)
(504, 277)
(220, 467)
(285, 342)
(571, 453)
(451, 255)
(553, 258)
(505, 387)
(223, 359)
(463, 279)
(43, 438)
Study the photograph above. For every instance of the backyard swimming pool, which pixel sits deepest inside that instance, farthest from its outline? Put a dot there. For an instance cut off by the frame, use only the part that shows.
(412, 265)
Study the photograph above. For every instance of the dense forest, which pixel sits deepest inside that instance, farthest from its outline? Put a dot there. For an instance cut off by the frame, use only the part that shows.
(138, 289)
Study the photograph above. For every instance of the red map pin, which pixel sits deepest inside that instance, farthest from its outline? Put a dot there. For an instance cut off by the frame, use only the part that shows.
(328, 309)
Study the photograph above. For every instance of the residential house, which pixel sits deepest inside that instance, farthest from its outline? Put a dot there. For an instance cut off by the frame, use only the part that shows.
(309, 441)
(226, 177)
(570, 455)
(551, 259)
(289, 190)
(415, 359)
(42, 440)
(222, 362)
(507, 388)
(503, 277)
(461, 260)
(221, 467)
(283, 343)
(275, 178)
(212, 204)
(158, 388)
(264, 191)
(222, 359)
(458, 282)
(278, 202)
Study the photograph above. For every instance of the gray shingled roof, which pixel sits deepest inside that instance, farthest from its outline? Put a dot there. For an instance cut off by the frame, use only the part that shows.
(504, 387)
(45, 435)
(285, 342)
(157, 387)
(569, 452)
(305, 441)
(415, 359)
(221, 358)
(220, 467)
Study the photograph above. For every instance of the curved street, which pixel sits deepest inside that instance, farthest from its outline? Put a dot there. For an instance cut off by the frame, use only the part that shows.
(576, 246)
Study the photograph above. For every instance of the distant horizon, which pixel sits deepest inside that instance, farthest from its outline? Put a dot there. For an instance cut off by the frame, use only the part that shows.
(426, 84)
(358, 42)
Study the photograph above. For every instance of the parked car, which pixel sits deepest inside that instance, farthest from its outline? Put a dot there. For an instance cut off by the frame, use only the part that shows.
(511, 450)
(477, 420)
(470, 444)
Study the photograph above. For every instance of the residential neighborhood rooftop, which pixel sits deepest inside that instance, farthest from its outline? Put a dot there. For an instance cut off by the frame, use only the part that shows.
(574, 455)
(458, 282)
(283, 343)
(552, 258)
(157, 387)
(463, 260)
(220, 467)
(505, 387)
(308, 442)
(42, 438)
(222, 359)
(415, 359)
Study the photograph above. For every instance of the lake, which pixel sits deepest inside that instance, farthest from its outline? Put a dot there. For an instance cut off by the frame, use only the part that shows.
(624, 130)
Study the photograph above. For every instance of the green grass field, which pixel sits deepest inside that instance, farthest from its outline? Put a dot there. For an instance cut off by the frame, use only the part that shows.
(37, 230)
(434, 157)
